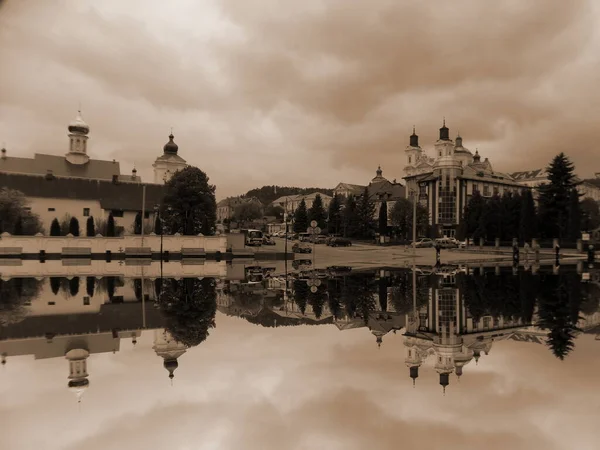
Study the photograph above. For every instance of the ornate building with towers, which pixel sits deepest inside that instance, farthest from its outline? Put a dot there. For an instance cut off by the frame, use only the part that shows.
(445, 182)
(76, 185)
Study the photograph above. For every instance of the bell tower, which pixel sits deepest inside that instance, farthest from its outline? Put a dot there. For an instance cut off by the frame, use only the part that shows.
(413, 150)
(78, 136)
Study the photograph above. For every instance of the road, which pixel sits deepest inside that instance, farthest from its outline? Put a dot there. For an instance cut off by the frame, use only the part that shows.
(366, 255)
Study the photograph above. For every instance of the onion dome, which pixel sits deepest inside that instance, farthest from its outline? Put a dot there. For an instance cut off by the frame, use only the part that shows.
(78, 387)
(171, 365)
(414, 373)
(414, 139)
(379, 172)
(444, 132)
(78, 125)
(444, 380)
(171, 147)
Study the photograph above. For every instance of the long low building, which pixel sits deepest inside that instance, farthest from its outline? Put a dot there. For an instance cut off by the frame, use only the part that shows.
(79, 186)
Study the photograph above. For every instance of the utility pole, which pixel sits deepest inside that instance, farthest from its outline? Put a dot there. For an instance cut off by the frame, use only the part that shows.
(143, 211)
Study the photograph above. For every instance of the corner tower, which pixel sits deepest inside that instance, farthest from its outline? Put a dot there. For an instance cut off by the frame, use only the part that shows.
(168, 163)
(78, 136)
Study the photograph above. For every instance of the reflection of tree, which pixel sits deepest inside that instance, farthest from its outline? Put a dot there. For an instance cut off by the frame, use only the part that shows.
(55, 285)
(137, 289)
(334, 288)
(301, 290)
(14, 294)
(590, 302)
(74, 286)
(402, 291)
(358, 293)
(110, 286)
(90, 283)
(317, 300)
(189, 306)
(559, 302)
(383, 285)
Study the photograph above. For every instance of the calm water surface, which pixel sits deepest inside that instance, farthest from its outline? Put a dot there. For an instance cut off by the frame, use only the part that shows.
(465, 358)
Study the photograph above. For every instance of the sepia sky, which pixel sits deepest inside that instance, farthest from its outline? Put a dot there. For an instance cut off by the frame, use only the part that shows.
(303, 388)
(302, 93)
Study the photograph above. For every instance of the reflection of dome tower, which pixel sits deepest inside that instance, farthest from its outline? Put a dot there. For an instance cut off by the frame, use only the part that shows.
(446, 346)
(4, 355)
(413, 360)
(169, 349)
(378, 336)
(78, 136)
(78, 376)
(461, 360)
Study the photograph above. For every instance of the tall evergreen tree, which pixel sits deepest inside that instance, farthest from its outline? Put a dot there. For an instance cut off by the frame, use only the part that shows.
(365, 212)
(74, 286)
(510, 207)
(574, 223)
(18, 230)
(90, 284)
(55, 228)
(554, 197)
(527, 218)
(349, 217)
(55, 285)
(301, 218)
(472, 216)
(137, 224)
(334, 221)
(383, 219)
(491, 219)
(317, 212)
(74, 226)
(90, 229)
(157, 225)
(110, 226)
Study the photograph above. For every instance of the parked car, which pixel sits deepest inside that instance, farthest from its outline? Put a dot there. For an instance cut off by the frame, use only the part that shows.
(447, 242)
(301, 248)
(321, 239)
(268, 241)
(340, 242)
(423, 243)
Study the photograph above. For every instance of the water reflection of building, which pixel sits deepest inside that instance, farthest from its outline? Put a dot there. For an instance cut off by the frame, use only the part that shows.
(75, 325)
(445, 330)
(168, 349)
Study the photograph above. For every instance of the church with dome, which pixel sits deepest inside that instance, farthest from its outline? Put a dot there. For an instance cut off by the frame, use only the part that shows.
(445, 182)
(77, 185)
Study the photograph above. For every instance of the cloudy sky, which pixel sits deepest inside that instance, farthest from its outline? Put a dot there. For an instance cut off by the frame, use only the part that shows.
(303, 388)
(301, 93)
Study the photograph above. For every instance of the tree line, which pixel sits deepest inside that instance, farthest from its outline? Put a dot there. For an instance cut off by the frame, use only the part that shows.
(560, 212)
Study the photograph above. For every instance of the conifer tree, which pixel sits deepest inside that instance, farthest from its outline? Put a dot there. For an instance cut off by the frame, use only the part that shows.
(334, 221)
(110, 226)
(137, 224)
(527, 218)
(317, 212)
(349, 217)
(365, 211)
(383, 219)
(90, 228)
(55, 228)
(301, 218)
(574, 213)
(74, 226)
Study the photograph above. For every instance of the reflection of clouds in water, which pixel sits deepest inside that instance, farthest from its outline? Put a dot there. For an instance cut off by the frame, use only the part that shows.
(255, 387)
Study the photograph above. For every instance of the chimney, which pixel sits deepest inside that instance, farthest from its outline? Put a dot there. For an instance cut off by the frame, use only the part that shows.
(134, 174)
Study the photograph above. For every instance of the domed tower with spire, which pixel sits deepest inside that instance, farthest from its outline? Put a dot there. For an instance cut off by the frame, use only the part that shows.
(444, 145)
(461, 153)
(168, 163)
(78, 376)
(413, 358)
(78, 136)
(168, 349)
(413, 152)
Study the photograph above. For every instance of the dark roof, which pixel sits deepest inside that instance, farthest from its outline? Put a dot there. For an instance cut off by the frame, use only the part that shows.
(269, 318)
(593, 181)
(122, 195)
(529, 174)
(395, 190)
(40, 164)
(112, 316)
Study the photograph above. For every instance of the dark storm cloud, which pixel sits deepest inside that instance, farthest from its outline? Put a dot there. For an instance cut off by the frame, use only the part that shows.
(340, 81)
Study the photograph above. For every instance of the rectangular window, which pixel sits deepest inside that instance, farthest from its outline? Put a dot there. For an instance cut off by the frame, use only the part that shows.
(486, 190)
(447, 202)
(117, 213)
(86, 301)
(496, 190)
(86, 212)
(51, 209)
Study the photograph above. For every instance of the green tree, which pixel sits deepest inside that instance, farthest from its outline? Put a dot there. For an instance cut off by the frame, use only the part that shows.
(334, 215)
(365, 212)
(189, 306)
(301, 294)
(590, 214)
(472, 216)
(14, 295)
(491, 219)
(383, 219)
(554, 197)
(301, 218)
(510, 210)
(402, 218)
(247, 212)
(527, 218)
(157, 225)
(189, 205)
(110, 226)
(55, 228)
(574, 214)
(317, 212)
(274, 210)
(350, 217)
(14, 213)
(74, 226)
(90, 229)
